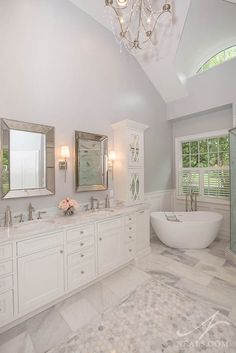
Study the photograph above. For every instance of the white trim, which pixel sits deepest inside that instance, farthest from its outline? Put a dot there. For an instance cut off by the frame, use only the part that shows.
(215, 201)
(216, 50)
(210, 134)
(234, 113)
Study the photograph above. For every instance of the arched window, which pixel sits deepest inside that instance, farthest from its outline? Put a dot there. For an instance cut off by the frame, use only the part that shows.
(219, 58)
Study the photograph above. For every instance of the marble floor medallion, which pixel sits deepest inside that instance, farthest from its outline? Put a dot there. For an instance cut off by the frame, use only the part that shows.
(155, 318)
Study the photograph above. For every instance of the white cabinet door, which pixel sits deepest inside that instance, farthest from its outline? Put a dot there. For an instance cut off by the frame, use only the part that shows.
(136, 185)
(142, 231)
(109, 250)
(135, 148)
(6, 307)
(40, 278)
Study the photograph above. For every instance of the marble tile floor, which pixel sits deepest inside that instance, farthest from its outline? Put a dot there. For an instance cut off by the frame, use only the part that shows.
(204, 275)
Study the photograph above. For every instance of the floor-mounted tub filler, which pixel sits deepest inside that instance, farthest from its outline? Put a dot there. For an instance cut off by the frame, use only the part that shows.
(187, 230)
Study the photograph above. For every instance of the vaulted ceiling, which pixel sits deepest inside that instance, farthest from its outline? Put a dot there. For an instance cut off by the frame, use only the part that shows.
(199, 27)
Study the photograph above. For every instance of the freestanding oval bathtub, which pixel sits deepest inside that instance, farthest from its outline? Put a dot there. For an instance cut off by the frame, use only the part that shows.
(195, 230)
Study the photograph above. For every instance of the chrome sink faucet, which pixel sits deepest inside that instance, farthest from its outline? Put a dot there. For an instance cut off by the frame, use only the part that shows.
(93, 200)
(8, 217)
(31, 210)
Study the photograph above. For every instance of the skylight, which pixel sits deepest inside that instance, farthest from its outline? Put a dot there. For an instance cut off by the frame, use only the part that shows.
(219, 58)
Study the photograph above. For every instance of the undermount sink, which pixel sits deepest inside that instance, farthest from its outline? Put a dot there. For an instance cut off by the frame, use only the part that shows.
(102, 212)
(33, 225)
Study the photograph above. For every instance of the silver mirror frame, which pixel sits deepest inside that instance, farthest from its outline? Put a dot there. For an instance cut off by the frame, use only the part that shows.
(92, 137)
(48, 131)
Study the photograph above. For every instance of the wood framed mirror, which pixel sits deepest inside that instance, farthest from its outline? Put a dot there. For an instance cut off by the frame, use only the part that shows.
(91, 157)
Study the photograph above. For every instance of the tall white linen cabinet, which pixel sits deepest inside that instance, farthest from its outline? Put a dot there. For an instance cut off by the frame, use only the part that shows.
(129, 164)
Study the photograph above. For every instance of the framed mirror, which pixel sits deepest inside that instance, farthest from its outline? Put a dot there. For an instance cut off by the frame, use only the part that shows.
(27, 159)
(91, 155)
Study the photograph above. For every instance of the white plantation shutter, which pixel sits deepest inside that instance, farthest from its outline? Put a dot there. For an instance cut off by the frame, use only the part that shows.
(188, 179)
(217, 183)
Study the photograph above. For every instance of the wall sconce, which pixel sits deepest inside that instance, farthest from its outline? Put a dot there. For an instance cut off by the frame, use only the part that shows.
(65, 153)
(111, 160)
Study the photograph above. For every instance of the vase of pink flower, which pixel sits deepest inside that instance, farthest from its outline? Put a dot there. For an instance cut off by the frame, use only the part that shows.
(68, 206)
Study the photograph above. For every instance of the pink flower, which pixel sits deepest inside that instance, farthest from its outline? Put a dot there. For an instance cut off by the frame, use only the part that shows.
(68, 203)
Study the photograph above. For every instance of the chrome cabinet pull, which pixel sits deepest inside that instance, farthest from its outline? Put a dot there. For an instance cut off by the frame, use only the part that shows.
(61, 251)
(82, 272)
(81, 244)
(82, 255)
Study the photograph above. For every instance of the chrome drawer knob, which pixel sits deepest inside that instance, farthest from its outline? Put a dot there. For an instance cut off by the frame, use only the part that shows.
(130, 237)
(81, 232)
(82, 272)
(61, 251)
(100, 239)
(130, 250)
(130, 228)
(82, 255)
(81, 244)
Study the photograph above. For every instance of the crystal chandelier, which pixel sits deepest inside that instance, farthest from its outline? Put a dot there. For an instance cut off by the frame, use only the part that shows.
(135, 21)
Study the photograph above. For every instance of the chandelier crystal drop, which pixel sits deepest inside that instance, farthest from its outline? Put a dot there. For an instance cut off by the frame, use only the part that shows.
(135, 21)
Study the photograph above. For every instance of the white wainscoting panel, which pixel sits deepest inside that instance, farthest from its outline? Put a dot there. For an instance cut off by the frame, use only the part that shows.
(160, 201)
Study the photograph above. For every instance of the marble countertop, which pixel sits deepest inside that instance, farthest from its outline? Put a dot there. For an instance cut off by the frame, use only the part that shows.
(29, 229)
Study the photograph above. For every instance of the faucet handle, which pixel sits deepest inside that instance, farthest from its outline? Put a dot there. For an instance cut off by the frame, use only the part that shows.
(40, 213)
(86, 207)
(20, 216)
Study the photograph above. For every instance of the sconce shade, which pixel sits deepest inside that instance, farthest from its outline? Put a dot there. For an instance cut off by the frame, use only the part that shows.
(65, 152)
(112, 156)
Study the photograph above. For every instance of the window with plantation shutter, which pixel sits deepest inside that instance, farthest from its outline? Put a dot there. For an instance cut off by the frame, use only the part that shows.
(189, 179)
(203, 166)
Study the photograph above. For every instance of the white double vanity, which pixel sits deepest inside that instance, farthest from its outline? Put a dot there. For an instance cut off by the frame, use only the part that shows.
(44, 261)
(39, 267)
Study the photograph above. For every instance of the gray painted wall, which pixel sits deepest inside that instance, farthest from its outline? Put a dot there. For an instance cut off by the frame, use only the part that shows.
(59, 67)
(213, 121)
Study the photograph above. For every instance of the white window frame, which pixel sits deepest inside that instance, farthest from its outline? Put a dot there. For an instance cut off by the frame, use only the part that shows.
(178, 163)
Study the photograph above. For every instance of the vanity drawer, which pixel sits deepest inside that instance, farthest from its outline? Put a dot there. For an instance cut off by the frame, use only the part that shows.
(6, 268)
(75, 234)
(80, 257)
(110, 225)
(37, 244)
(5, 252)
(129, 236)
(131, 228)
(83, 243)
(81, 274)
(6, 306)
(130, 219)
(6, 283)
(129, 251)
